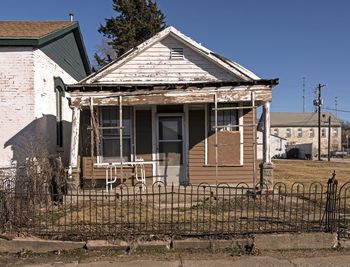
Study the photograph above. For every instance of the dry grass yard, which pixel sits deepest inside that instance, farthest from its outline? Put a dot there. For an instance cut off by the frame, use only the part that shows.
(307, 171)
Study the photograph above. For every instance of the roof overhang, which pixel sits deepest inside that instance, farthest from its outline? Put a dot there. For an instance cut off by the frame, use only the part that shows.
(166, 86)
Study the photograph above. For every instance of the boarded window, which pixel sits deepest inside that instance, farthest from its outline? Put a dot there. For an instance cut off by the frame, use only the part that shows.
(228, 136)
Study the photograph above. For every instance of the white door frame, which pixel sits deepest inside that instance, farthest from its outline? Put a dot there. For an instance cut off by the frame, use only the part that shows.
(184, 142)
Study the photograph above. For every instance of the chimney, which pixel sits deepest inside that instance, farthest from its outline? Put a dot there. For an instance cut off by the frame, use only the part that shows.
(71, 17)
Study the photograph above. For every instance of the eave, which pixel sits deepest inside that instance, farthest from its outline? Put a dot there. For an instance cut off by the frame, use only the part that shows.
(166, 86)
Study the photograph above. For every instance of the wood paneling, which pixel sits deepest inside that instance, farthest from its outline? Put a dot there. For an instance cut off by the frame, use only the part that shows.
(199, 172)
(155, 65)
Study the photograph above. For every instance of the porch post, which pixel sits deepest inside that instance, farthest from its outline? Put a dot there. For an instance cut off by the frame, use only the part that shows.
(73, 181)
(266, 166)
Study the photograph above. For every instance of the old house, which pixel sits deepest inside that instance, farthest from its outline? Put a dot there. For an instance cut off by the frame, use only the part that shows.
(37, 59)
(277, 146)
(301, 131)
(169, 110)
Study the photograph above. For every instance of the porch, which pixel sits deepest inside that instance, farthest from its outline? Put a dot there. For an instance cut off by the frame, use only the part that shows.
(184, 136)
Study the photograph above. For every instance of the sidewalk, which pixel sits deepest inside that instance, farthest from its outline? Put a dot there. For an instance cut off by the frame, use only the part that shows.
(188, 258)
(246, 261)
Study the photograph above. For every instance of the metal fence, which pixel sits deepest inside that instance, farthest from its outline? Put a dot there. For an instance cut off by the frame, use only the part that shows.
(194, 210)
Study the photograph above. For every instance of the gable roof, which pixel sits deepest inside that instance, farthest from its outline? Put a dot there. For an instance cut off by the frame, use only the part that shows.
(301, 119)
(40, 33)
(228, 65)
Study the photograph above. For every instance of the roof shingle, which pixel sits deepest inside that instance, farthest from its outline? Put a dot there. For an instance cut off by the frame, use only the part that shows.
(301, 119)
(31, 29)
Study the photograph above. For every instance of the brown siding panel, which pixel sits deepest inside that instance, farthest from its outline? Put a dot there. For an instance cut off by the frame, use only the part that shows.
(144, 140)
(198, 172)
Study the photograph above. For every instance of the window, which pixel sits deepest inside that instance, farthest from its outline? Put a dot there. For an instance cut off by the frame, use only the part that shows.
(59, 124)
(228, 149)
(299, 132)
(311, 133)
(275, 132)
(177, 53)
(110, 140)
(288, 132)
(227, 118)
(323, 132)
(335, 132)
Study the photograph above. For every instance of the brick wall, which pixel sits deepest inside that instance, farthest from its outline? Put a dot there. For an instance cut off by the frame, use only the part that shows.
(16, 96)
(28, 103)
(45, 103)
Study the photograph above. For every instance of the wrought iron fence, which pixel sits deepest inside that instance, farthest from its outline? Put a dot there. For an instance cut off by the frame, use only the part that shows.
(159, 210)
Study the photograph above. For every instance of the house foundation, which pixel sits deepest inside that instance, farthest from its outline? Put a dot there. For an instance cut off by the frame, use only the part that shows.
(266, 174)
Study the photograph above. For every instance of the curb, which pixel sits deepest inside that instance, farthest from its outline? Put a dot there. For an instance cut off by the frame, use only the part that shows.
(261, 241)
(40, 246)
(296, 241)
(132, 246)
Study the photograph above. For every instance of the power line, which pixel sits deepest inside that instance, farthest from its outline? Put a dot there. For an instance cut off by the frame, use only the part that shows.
(340, 110)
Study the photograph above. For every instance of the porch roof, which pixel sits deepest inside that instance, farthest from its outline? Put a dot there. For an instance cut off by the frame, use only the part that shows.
(259, 91)
(85, 87)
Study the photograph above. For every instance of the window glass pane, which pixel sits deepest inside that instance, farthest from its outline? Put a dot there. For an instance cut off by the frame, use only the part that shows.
(335, 132)
(170, 128)
(111, 149)
(226, 117)
(170, 153)
(110, 118)
(110, 137)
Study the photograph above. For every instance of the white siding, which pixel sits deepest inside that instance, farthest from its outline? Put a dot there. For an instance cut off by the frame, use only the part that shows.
(154, 65)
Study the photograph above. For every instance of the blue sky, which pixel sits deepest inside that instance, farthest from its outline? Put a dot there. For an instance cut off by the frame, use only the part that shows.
(273, 38)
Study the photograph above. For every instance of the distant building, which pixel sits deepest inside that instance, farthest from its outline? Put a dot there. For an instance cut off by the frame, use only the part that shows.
(300, 128)
(277, 146)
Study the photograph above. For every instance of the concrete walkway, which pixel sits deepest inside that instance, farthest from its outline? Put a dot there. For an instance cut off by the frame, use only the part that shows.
(246, 261)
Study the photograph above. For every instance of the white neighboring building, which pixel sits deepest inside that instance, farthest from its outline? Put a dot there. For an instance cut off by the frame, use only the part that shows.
(277, 149)
(37, 59)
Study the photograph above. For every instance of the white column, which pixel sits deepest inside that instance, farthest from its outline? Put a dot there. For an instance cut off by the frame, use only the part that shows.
(267, 133)
(74, 145)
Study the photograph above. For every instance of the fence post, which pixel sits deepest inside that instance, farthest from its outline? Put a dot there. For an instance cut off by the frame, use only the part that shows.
(331, 204)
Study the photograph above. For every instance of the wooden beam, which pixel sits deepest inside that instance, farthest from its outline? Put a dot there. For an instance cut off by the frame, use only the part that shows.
(75, 138)
(170, 97)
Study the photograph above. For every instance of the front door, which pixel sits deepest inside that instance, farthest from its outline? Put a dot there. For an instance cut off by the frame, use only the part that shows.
(170, 146)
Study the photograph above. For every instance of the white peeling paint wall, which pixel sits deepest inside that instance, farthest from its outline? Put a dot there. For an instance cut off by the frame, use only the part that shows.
(28, 104)
(17, 106)
(45, 70)
(155, 65)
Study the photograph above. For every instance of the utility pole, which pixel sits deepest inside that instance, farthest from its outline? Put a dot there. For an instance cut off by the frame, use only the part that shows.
(318, 104)
(329, 138)
(336, 106)
(303, 94)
